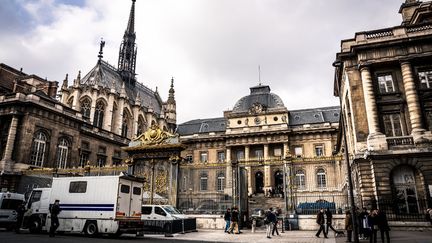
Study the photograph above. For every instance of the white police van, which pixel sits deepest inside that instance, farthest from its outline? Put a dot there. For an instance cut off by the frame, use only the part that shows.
(91, 204)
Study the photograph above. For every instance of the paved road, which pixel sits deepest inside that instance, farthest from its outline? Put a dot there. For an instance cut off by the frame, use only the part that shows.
(6, 237)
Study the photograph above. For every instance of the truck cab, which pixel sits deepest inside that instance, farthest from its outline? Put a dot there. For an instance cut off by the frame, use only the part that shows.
(37, 209)
(9, 203)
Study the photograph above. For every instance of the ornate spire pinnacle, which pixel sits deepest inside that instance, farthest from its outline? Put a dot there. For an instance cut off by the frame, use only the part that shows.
(65, 82)
(171, 98)
(102, 44)
(127, 54)
(77, 81)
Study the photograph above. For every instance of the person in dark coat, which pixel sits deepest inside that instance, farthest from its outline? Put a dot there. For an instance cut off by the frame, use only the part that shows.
(383, 225)
(275, 223)
(348, 225)
(227, 218)
(373, 225)
(363, 224)
(269, 220)
(329, 217)
(429, 215)
(320, 221)
(234, 222)
(20, 215)
(54, 210)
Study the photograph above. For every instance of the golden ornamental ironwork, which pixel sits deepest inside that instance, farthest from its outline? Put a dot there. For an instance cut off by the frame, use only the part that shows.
(154, 135)
(161, 182)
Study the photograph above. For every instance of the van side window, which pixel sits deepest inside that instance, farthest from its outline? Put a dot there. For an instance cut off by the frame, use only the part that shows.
(78, 187)
(146, 210)
(125, 188)
(136, 190)
(159, 210)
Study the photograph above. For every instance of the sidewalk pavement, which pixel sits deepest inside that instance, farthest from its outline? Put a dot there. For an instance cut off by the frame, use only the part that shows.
(290, 236)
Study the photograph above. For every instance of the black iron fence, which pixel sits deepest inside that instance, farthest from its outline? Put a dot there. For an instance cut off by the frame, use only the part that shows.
(311, 204)
(404, 210)
(205, 205)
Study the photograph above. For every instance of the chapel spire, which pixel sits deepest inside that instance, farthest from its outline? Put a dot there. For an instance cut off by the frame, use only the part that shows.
(128, 50)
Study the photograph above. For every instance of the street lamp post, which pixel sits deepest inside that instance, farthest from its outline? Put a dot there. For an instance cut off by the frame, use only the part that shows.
(289, 200)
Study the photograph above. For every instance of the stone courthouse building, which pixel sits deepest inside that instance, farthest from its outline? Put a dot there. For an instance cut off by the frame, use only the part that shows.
(95, 116)
(258, 135)
(384, 80)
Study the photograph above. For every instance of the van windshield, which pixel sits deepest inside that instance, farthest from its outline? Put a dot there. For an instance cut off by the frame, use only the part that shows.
(171, 210)
(11, 204)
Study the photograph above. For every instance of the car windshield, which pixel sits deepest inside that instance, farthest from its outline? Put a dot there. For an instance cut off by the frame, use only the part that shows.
(11, 204)
(171, 210)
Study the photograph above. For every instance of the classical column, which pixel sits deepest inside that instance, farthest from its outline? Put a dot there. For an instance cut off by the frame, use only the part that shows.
(375, 140)
(411, 98)
(369, 97)
(6, 162)
(228, 188)
(267, 169)
(249, 169)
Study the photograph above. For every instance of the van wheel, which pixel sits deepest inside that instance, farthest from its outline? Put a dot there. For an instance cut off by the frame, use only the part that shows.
(35, 225)
(91, 229)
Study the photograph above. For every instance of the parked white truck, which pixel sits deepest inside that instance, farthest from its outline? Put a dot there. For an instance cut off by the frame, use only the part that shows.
(91, 204)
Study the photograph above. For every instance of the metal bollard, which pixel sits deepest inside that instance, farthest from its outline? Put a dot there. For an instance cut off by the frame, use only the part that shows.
(253, 225)
(283, 224)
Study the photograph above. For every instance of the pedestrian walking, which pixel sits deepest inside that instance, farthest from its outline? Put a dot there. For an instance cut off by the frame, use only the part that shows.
(429, 215)
(269, 221)
(348, 225)
(234, 222)
(383, 225)
(372, 221)
(20, 215)
(329, 221)
(227, 218)
(54, 210)
(275, 223)
(364, 229)
(320, 221)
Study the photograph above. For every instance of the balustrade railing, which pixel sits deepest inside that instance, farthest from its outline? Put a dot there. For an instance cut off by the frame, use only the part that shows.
(398, 141)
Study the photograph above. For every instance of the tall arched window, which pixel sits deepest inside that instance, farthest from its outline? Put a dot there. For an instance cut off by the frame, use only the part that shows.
(321, 178)
(300, 179)
(141, 126)
(38, 149)
(62, 153)
(220, 181)
(99, 114)
(85, 108)
(404, 189)
(203, 181)
(125, 123)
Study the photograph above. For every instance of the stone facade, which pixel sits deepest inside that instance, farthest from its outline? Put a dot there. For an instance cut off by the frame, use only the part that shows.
(384, 80)
(91, 121)
(265, 141)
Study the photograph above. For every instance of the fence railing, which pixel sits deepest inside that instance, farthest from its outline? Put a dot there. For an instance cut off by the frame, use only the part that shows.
(205, 204)
(403, 211)
(311, 204)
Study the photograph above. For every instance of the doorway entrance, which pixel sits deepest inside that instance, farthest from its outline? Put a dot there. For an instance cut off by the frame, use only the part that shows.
(278, 176)
(259, 182)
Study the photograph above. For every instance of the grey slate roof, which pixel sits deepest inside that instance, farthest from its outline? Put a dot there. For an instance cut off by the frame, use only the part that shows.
(296, 118)
(313, 116)
(202, 126)
(106, 76)
(258, 94)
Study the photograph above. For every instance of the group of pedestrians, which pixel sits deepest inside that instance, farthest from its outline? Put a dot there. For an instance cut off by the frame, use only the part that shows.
(325, 220)
(369, 224)
(271, 222)
(54, 210)
(231, 218)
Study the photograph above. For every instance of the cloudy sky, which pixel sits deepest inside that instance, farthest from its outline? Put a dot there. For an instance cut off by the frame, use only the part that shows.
(211, 47)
